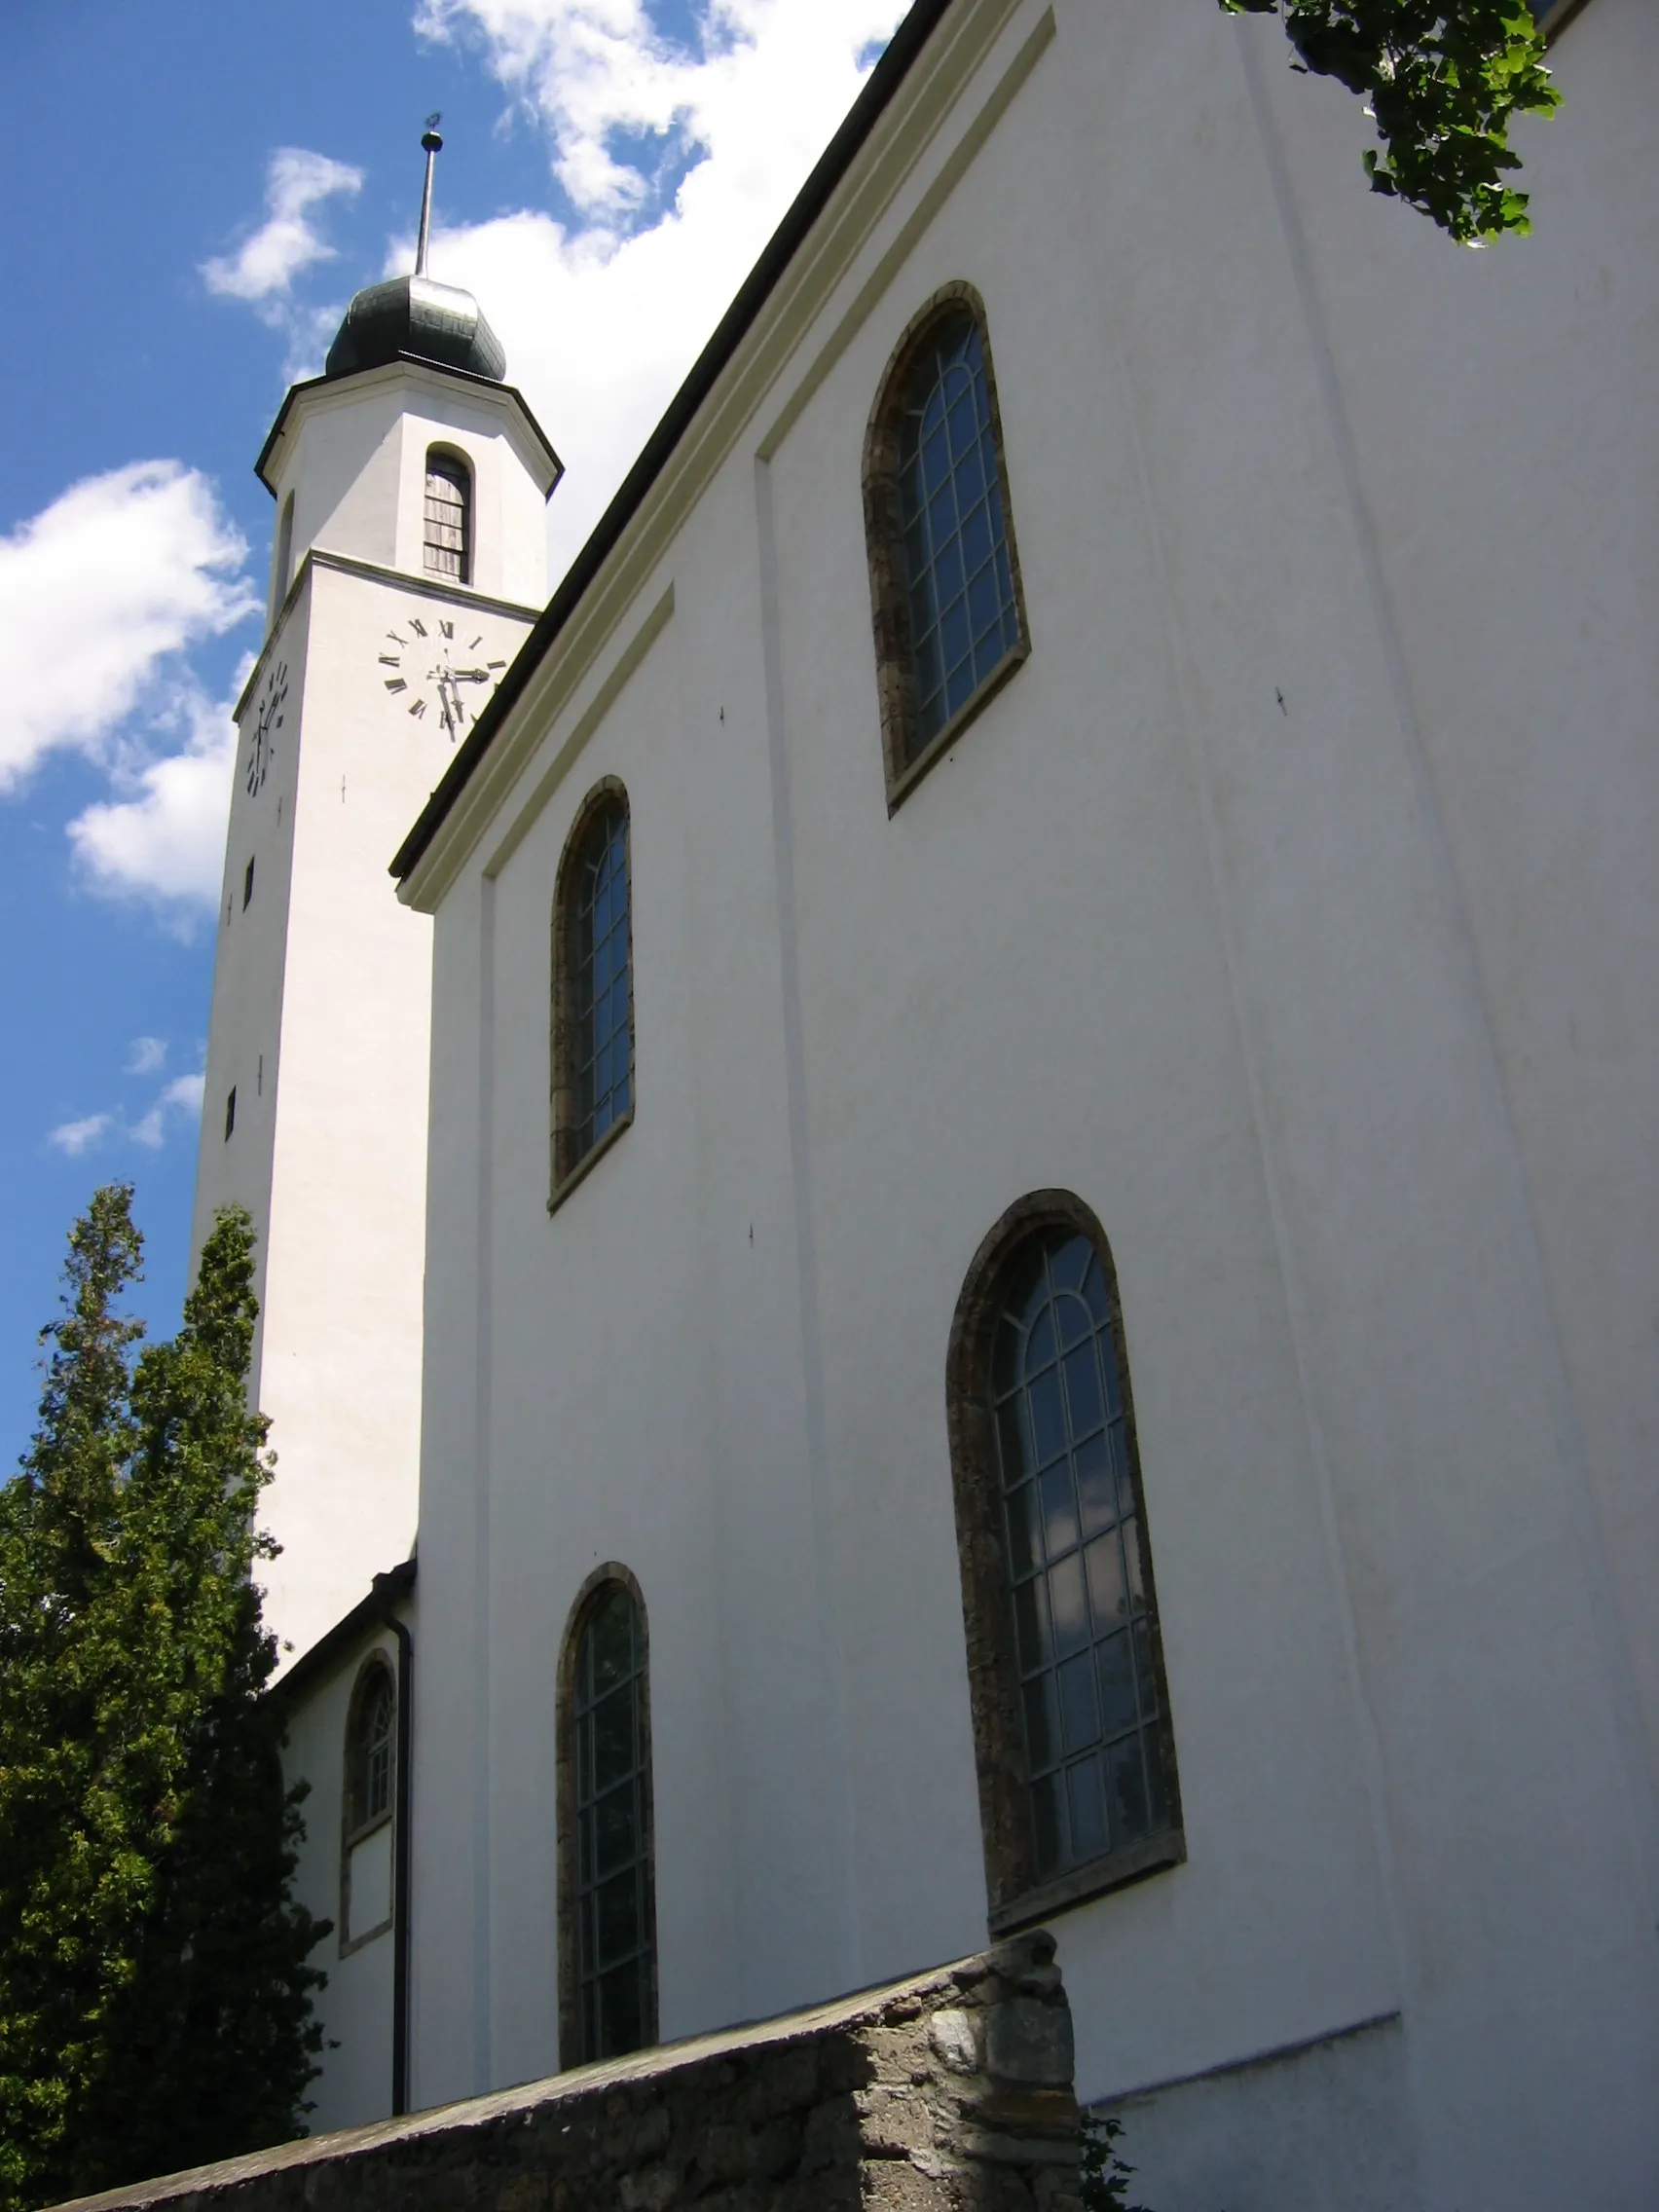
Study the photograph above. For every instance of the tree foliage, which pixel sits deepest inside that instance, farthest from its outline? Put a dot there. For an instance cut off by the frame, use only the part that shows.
(1443, 80)
(155, 1996)
(1103, 2172)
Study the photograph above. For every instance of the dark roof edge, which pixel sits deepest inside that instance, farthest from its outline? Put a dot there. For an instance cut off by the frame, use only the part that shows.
(757, 288)
(418, 361)
(368, 1613)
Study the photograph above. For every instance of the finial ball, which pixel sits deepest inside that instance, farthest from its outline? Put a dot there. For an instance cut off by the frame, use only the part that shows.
(431, 140)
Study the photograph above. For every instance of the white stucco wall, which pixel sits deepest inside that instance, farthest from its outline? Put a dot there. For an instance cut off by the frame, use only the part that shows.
(321, 994)
(354, 455)
(355, 2008)
(1293, 905)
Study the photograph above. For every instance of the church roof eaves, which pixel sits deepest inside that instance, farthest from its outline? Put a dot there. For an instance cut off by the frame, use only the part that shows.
(369, 1612)
(862, 118)
(295, 392)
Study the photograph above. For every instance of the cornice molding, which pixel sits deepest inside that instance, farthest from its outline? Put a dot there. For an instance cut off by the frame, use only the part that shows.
(618, 566)
(335, 392)
(451, 594)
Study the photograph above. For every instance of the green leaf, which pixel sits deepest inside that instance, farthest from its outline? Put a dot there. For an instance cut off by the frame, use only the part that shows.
(1442, 85)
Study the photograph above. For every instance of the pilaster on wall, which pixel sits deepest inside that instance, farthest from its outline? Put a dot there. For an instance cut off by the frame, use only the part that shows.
(947, 2092)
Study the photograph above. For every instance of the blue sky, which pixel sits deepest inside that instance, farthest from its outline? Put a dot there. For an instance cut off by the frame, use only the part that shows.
(193, 192)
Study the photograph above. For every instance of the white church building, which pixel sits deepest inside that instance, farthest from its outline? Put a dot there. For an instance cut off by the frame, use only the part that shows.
(990, 1181)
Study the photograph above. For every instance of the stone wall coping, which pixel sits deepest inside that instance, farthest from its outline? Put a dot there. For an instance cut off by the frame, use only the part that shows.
(1011, 1962)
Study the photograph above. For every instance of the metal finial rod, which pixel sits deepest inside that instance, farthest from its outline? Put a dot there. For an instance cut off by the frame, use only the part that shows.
(434, 144)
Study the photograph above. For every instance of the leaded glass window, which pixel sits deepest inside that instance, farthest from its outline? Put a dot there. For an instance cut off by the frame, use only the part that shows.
(448, 517)
(370, 1760)
(1082, 1624)
(963, 616)
(602, 983)
(376, 1748)
(613, 1890)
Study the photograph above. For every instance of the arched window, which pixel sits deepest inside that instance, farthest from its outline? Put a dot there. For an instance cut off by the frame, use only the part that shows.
(593, 985)
(371, 1759)
(1071, 1716)
(449, 516)
(944, 575)
(606, 1890)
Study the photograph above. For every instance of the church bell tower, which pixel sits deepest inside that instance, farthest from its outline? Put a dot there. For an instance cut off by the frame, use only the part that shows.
(409, 562)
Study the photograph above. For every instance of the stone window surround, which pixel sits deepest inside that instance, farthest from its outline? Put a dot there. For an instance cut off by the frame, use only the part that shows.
(568, 1169)
(604, 1578)
(375, 1662)
(1015, 1899)
(890, 616)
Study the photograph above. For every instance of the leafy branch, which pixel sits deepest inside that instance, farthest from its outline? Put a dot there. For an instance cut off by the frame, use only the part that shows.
(1443, 83)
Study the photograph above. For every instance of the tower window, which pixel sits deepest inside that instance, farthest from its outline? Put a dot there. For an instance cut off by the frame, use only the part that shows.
(608, 1932)
(449, 516)
(247, 885)
(944, 577)
(1071, 1714)
(593, 1012)
(230, 1111)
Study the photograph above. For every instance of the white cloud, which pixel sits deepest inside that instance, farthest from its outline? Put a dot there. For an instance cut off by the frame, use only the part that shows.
(601, 318)
(263, 267)
(148, 1056)
(178, 1103)
(96, 591)
(77, 1137)
(161, 839)
(180, 1100)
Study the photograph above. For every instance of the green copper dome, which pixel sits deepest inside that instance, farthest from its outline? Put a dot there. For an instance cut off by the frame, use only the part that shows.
(412, 316)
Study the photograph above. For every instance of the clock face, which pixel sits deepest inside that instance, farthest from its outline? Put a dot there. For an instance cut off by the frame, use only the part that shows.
(433, 672)
(262, 746)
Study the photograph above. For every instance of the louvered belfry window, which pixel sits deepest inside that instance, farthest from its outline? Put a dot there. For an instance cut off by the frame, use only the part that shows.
(449, 517)
(613, 1904)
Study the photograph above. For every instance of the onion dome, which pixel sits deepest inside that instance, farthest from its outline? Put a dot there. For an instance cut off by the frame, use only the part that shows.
(415, 315)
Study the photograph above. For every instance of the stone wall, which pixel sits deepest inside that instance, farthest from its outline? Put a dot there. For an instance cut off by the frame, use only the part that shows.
(948, 2092)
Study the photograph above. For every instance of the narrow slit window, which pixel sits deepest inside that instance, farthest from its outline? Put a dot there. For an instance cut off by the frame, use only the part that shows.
(449, 517)
(247, 885)
(230, 1111)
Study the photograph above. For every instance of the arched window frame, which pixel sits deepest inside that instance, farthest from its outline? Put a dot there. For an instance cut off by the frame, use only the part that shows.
(600, 1584)
(451, 463)
(357, 1821)
(573, 1157)
(1015, 1897)
(905, 758)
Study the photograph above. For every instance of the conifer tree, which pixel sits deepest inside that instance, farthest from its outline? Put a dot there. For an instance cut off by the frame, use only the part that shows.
(155, 1996)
